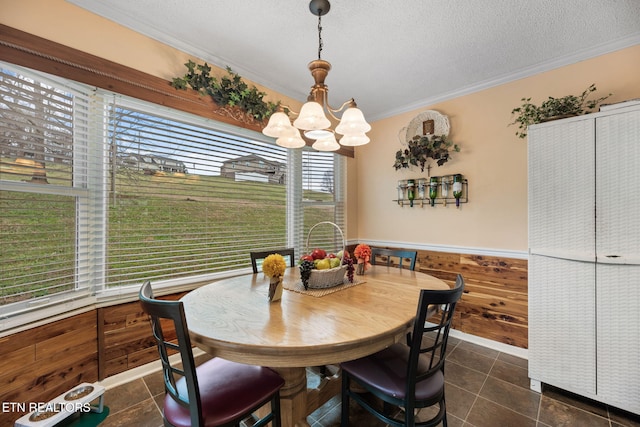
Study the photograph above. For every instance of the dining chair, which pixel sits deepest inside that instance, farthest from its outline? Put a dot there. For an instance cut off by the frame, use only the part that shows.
(217, 392)
(395, 253)
(406, 376)
(260, 255)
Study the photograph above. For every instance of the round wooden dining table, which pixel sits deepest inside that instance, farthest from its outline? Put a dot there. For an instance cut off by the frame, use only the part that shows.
(233, 319)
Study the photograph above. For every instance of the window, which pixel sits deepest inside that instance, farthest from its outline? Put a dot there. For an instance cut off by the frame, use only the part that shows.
(177, 206)
(47, 236)
(100, 192)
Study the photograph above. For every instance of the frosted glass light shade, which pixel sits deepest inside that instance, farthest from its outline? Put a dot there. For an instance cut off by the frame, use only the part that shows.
(278, 125)
(312, 117)
(317, 134)
(354, 140)
(352, 122)
(291, 139)
(326, 144)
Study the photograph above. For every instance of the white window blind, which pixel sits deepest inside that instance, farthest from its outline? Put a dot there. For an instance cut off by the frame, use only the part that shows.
(42, 187)
(188, 200)
(99, 192)
(322, 200)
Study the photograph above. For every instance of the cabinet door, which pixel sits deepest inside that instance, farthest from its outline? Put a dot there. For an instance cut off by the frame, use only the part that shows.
(562, 324)
(617, 180)
(618, 254)
(561, 189)
(618, 293)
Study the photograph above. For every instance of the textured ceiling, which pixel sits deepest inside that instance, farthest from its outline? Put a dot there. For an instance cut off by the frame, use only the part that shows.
(391, 56)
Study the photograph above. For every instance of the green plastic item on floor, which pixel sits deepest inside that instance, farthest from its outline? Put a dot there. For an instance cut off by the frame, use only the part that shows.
(85, 419)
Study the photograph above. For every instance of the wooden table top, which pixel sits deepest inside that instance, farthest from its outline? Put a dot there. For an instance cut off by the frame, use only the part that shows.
(233, 318)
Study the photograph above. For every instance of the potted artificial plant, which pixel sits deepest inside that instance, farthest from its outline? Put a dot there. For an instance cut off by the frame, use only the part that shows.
(422, 148)
(553, 108)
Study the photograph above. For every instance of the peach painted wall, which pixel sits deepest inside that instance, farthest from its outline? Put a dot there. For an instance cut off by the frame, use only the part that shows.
(492, 158)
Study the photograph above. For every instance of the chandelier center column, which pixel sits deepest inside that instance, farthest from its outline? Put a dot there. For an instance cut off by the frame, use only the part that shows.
(319, 70)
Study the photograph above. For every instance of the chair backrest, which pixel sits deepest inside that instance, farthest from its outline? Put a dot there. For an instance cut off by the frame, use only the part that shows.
(174, 312)
(391, 253)
(428, 341)
(258, 256)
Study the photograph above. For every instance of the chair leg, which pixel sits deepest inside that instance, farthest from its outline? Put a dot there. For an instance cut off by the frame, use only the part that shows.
(409, 417)
(444, 417)
(323, 371)
(344, 415)
(275, 408)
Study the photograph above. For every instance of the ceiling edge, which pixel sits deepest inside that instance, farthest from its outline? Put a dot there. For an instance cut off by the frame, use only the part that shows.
(578, 56)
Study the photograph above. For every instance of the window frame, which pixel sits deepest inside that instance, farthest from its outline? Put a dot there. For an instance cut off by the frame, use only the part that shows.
(96, 194)
(186, 283)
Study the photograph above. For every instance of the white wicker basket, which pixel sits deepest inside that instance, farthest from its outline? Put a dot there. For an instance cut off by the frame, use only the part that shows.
(321, 279)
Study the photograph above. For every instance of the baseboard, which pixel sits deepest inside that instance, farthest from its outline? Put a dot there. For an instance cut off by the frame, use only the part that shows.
(140, 371)
(495, 345)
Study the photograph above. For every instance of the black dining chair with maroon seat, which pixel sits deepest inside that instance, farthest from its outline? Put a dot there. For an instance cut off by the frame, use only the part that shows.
(217, 392)
(406, 377)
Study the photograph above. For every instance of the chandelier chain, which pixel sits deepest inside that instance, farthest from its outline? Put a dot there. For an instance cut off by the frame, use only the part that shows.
(319, 33)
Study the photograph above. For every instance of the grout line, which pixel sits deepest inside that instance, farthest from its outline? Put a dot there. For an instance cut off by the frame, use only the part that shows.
(153, 399)
(539, 408)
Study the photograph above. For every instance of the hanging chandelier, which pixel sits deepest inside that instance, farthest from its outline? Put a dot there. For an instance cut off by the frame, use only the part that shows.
(312, 119)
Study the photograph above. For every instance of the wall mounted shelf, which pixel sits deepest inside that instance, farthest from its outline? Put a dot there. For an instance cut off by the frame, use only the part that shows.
(442, 186)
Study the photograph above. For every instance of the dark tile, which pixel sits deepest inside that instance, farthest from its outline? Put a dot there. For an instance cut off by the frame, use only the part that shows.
(560, 414)
(325, 409)
(483, 388)
(485, 413)
(143, 414)
(454, 421)
(480, 349)
(575, 400)
(459, 401)
(357, 417)
(159, 399)
(426, 414)
(452, 343)
(514, 360)
(516, 398)
(510, 373)
(126, 395)
(465, 357)
(155, 383)
(464, 377)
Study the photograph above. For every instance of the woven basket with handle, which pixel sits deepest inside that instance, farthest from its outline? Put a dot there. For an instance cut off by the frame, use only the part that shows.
(321, 279)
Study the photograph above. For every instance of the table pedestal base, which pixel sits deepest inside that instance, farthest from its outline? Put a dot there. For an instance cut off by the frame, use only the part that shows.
(297, 402)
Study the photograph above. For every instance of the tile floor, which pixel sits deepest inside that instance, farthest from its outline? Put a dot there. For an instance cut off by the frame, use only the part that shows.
(485, 388)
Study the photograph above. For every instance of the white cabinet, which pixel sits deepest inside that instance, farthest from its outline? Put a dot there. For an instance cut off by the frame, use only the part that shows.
(584, 256)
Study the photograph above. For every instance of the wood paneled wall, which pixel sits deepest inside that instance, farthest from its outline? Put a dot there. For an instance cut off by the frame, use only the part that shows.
(42, 363)
(124, 338)
(38, 364)
(494, 304)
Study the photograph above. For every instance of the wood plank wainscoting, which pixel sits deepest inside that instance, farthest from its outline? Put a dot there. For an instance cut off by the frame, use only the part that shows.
(40, 363)
(494, 304)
